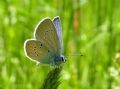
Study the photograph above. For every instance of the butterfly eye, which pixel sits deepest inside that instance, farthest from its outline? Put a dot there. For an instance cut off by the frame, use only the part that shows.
(63, 59)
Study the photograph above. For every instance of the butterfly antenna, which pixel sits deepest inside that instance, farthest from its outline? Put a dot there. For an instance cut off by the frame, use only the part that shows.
(70, 55)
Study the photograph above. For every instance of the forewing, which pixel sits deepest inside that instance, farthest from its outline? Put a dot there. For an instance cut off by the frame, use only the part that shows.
(57, 24)
(45, 32)
(37, 51)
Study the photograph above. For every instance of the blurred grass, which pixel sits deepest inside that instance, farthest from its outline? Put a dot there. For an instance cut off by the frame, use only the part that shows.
(90, 27)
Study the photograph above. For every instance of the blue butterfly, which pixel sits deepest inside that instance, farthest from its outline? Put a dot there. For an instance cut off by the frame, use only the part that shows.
(47, 45)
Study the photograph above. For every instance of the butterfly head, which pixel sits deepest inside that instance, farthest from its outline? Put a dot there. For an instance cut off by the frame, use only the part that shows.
(62, 58)
(59, 59)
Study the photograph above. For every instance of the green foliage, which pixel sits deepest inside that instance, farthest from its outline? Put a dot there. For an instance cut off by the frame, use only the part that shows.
(52, 79)
(90, 27)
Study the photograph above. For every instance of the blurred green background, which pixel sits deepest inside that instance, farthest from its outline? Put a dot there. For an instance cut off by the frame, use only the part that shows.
(90, 28)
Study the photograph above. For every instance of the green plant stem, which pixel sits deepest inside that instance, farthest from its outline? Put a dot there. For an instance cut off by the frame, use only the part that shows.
(52, 80)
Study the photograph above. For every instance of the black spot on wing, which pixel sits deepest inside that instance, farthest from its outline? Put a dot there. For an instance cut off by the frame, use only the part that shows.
(48, 51)
(41, 45)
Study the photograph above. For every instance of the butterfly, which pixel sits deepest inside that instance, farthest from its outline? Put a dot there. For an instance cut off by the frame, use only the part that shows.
(47, 45)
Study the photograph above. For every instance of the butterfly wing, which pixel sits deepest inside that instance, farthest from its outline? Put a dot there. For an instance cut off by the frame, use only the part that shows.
(37, 51)
(57, 24)
(45, 32)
